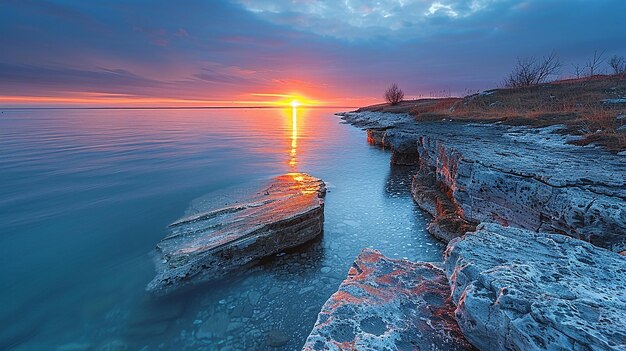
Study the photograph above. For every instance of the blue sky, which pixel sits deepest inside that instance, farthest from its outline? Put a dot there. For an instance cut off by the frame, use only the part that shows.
(339, 52)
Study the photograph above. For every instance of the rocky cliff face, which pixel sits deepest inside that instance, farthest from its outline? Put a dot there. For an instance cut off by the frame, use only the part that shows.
(520, 177)
(211, 244)
(517, 282)
(387, 304)
(520, 290)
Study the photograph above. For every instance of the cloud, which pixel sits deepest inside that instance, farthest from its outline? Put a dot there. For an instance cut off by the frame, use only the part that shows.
(359, 19)
(437, 7)
(57, 76)
(217, 73)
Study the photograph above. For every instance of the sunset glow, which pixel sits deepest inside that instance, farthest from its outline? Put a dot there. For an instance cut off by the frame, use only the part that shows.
(95, 99)
(253, 53)
(295, 100)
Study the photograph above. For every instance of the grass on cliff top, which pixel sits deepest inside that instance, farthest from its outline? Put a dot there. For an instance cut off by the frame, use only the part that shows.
(578, 104)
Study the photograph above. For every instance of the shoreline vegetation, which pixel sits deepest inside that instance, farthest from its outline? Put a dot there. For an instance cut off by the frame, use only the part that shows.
(593, 108)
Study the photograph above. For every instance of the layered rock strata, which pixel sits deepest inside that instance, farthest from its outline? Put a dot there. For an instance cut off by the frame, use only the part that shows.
(211, 244)
(519, 290)
(515, 176)
(387, 304)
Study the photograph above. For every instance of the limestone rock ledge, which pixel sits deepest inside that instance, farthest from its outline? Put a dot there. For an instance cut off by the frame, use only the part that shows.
(515, 176)
(211, 244)
(388, 304)
(519, 290)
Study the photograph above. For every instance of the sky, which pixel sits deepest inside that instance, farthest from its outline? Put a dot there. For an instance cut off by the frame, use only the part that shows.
(254, 53)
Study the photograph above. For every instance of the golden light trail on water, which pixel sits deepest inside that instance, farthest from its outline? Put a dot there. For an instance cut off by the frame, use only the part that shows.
(293, 162)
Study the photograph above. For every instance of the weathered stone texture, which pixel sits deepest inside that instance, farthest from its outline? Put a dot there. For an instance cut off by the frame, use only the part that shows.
(520, 290)
(527, 178)
(388, 304)
(211, 244)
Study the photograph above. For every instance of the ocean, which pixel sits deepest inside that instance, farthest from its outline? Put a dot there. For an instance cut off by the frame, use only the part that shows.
(86, 194)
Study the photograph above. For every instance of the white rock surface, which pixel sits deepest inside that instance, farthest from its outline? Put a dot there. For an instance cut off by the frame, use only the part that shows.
(520, 290)
(387, 304)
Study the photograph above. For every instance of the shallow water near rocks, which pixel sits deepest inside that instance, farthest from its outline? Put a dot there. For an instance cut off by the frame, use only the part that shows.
(87, 194)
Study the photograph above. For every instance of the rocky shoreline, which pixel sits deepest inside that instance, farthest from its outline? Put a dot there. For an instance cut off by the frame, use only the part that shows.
(536, 232)
(470, 173)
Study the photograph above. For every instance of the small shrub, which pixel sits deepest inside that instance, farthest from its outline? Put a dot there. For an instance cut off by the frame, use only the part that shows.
(394, 94)
(531, 71)
(618, 65)
(578, 72)
(593, 64)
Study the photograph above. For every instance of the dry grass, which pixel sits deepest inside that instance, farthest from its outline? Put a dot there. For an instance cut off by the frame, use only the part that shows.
(576, 103)
(405, 106)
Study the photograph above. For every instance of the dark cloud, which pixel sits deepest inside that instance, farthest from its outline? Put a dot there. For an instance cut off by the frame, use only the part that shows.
(70, 79)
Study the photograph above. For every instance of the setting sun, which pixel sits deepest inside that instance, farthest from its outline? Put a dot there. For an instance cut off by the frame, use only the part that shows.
(286, 99)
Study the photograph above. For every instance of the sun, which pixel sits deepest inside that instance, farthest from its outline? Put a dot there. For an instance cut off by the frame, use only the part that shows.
(292, 100)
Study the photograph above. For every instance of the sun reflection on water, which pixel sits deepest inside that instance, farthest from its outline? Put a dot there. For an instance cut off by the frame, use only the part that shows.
(293, 161)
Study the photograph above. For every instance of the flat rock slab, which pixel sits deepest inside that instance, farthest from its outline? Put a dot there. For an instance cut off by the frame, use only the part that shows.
(520, 290)
(388, 304)
(208, 245)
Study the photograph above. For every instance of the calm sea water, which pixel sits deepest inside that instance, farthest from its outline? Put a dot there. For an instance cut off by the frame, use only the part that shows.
(87, 194)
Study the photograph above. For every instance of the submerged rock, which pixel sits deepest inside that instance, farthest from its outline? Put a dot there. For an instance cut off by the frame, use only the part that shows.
(277, 338)
(520, 290)
(388, 304)
(211, 244)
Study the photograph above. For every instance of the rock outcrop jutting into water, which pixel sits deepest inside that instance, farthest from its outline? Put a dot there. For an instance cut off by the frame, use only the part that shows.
(387, 304)
(520, 290)
(211, 244)
(523, 177)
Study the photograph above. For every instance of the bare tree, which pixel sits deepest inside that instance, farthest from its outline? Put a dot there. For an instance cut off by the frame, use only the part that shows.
(618, 65)
(594, 63)
(393, 94)
(530, 71)
(578, 72)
